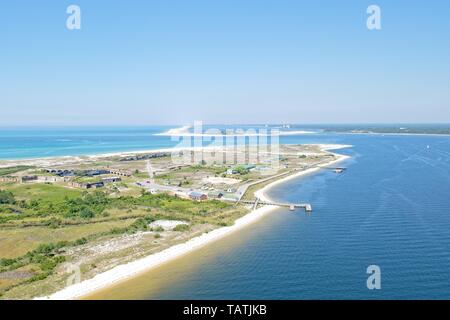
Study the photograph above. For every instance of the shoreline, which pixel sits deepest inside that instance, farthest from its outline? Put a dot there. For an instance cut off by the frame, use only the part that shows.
(261, 193)
(174, 148)
(46, 160)
(132, 269)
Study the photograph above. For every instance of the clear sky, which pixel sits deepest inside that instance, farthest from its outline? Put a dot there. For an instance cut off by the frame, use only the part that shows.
(224, 61)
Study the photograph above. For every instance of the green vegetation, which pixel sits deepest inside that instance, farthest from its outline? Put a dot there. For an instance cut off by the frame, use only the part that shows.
(181, 227)
(241, 170)
(11, 170)
(6, 197)
(88, 205)
(43, 192)
(43, 225)
(46, 257)
(39, 222)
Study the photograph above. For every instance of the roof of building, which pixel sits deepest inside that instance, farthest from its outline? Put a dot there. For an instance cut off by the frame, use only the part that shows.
(196, 194)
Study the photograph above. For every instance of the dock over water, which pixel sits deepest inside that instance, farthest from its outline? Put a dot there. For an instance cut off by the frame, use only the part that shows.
(292, 206)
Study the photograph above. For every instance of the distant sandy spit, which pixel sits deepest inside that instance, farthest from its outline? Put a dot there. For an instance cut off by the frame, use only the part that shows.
(185, 132)
(65, 160)
(132, 269)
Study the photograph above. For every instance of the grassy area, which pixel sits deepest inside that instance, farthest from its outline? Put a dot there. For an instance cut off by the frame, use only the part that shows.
(41, 191)
(18, 241)
(11, 170)
(39, 221)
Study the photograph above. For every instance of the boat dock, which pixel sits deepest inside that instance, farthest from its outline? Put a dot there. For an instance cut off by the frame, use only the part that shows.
(292, 206)
(335, 168)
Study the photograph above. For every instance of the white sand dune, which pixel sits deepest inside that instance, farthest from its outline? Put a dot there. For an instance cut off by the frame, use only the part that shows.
(184, 132)
(175, 131)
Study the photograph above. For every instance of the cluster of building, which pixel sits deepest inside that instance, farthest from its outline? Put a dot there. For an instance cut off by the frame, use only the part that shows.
(88, 173)
(17, 179)
(146, 156)
(66, 175)
(95, 184)
(61, 173)
(33, 178)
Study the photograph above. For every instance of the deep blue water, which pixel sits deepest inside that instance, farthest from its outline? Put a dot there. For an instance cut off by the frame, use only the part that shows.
(390, 208)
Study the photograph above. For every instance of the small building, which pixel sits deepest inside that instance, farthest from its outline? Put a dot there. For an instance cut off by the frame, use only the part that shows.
(53, 179)
(77, 184)
(120, 172)
(215, 195)
(95, 185)
(91, 173)
(60, 172)
(197, 196)
(28, 178)
(65, 173)
(86, 185)
(111, 179)
(9, 179)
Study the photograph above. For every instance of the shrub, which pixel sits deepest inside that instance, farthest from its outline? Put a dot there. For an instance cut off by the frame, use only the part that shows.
(7, 262)
(87, 213)
(181, 227)
(6, 197)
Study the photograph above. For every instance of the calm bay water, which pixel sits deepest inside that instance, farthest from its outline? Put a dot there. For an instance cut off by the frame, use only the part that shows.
(390, 208)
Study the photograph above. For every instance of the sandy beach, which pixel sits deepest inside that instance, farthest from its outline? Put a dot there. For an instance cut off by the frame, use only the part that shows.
(185, 132)
(132, 269)
(262, 193)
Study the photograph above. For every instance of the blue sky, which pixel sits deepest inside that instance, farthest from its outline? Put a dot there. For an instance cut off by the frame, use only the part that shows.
(246, 61)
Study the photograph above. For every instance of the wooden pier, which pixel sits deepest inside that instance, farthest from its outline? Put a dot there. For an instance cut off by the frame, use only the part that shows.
(292, 206)
(335, 168)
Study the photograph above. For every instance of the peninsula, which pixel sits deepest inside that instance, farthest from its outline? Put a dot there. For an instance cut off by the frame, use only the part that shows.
(73, 225)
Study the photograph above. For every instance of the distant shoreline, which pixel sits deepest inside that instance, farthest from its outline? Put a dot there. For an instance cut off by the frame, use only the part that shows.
(130, 270)
(6, 161)
(392, 133)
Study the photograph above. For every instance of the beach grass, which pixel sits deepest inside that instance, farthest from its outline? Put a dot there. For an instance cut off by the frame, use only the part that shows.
(18, 241)
(10, 170)
(42, 191)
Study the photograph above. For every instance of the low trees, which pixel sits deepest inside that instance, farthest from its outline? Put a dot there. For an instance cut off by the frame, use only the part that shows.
(6, 197)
